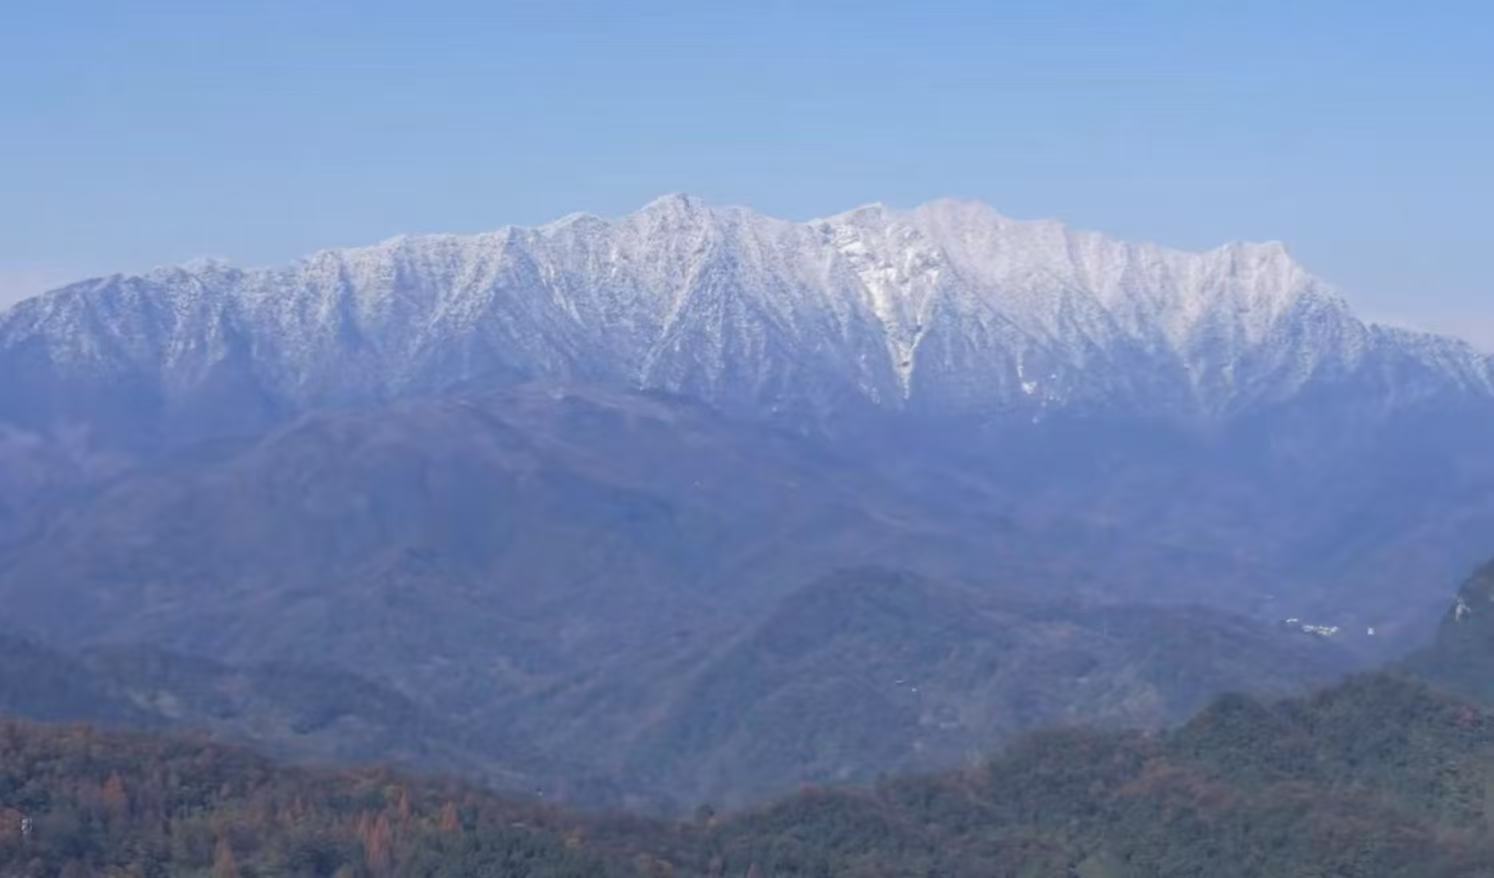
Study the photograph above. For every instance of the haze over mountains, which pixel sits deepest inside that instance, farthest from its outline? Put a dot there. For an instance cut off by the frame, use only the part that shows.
(632, 493)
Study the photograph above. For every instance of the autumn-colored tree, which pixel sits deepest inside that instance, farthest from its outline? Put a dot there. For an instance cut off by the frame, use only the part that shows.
(116, 801)
(378, 841)
(402, 806)
(450, 821)
(224, 864)
(653, 867)
(10, 824)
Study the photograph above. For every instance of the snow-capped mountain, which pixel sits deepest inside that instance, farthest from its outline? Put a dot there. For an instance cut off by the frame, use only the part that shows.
(949, 308)
(431, 464)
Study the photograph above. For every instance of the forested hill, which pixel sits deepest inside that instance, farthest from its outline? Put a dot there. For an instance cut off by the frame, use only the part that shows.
(1378, 776)
(76, 802)
(1461, 656)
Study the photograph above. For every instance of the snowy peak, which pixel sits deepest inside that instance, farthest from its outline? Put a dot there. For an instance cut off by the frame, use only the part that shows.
(1026, 267)
(948, 307)
(1055, 293)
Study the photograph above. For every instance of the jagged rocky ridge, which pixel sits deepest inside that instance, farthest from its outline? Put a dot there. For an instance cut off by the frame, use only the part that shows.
(947, 308)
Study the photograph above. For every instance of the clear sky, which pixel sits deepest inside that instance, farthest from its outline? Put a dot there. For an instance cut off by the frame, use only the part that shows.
(1361, 133)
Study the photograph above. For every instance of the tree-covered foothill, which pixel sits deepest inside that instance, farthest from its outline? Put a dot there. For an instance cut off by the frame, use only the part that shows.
(1379, 776)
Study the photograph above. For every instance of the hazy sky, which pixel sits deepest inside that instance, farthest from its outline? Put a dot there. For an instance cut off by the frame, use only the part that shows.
(1361, 133)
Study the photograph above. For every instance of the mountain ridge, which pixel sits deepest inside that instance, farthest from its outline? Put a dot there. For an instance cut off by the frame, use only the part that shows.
(547, 479)
(948, 307)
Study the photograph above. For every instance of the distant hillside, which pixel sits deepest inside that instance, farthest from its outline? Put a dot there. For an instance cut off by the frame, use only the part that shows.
(862, 673)
(299, 712)
(869, 672)
(45, 685)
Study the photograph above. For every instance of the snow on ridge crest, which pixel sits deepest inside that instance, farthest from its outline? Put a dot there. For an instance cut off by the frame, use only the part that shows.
(949, 305)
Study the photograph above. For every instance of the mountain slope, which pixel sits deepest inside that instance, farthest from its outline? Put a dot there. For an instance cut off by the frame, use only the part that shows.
(601, 573)
(949, 307)
(870, 672)
(1246, 789)
(45, 685)
(1225, 406)
(1461, 657)
(545, 483)
(945, 321)
(1377, 777)
(299, 712)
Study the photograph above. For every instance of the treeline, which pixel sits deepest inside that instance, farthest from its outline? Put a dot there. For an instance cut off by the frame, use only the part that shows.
(1379, 776)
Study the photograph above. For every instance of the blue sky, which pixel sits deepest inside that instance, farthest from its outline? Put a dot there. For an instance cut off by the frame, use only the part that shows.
(136, 134)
